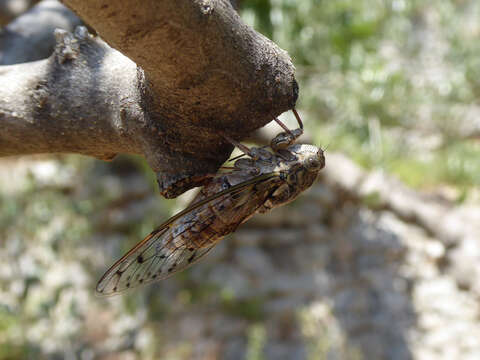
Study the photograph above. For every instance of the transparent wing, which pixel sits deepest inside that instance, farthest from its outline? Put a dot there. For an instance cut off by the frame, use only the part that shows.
(155, 258)
(162, 254)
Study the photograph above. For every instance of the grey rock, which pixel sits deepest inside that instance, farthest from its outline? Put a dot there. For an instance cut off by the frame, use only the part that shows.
(253, 260)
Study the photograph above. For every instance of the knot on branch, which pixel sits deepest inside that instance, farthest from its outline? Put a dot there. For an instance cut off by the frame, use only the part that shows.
(68, 44)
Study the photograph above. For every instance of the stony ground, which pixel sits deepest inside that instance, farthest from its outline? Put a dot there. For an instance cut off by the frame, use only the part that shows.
(360, 267)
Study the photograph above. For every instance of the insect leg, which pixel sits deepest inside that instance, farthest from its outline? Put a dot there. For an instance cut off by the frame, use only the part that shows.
(283, 126)
(287, 138)
(300, 123)
(253, 153)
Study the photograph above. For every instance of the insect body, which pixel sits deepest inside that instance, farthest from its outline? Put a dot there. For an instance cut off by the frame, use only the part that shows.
(258, 184)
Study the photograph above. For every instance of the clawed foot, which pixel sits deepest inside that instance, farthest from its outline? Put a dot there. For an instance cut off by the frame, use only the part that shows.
(278, 144)
(287, 138)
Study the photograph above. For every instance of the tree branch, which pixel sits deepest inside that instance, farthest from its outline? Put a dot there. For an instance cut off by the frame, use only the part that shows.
(203, 71)
(83, 100)
(30, 36)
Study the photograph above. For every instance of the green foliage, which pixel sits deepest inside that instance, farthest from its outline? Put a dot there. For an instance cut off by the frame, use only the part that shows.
(392, 83)
(256, 339)
(379, 78)
(258, 12)
(249, 308)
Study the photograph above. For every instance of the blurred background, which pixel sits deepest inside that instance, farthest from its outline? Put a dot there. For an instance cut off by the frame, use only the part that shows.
(379, 260)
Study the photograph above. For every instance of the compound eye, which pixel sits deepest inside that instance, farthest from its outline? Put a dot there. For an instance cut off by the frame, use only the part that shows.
(312, 163)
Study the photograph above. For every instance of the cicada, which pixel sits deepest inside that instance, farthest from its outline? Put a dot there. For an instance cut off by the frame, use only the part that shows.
(258, 182)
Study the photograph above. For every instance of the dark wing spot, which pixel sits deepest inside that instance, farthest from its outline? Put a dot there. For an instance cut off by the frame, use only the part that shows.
(190, 259)
(127, 285)
(114, 289)
(191, 249)
(140, 281)
(140, 259)
(154, 276)
(163, 256)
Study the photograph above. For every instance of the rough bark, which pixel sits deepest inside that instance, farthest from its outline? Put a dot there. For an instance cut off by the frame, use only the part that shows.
(201, 72)
(30, 36)
(83, 100)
